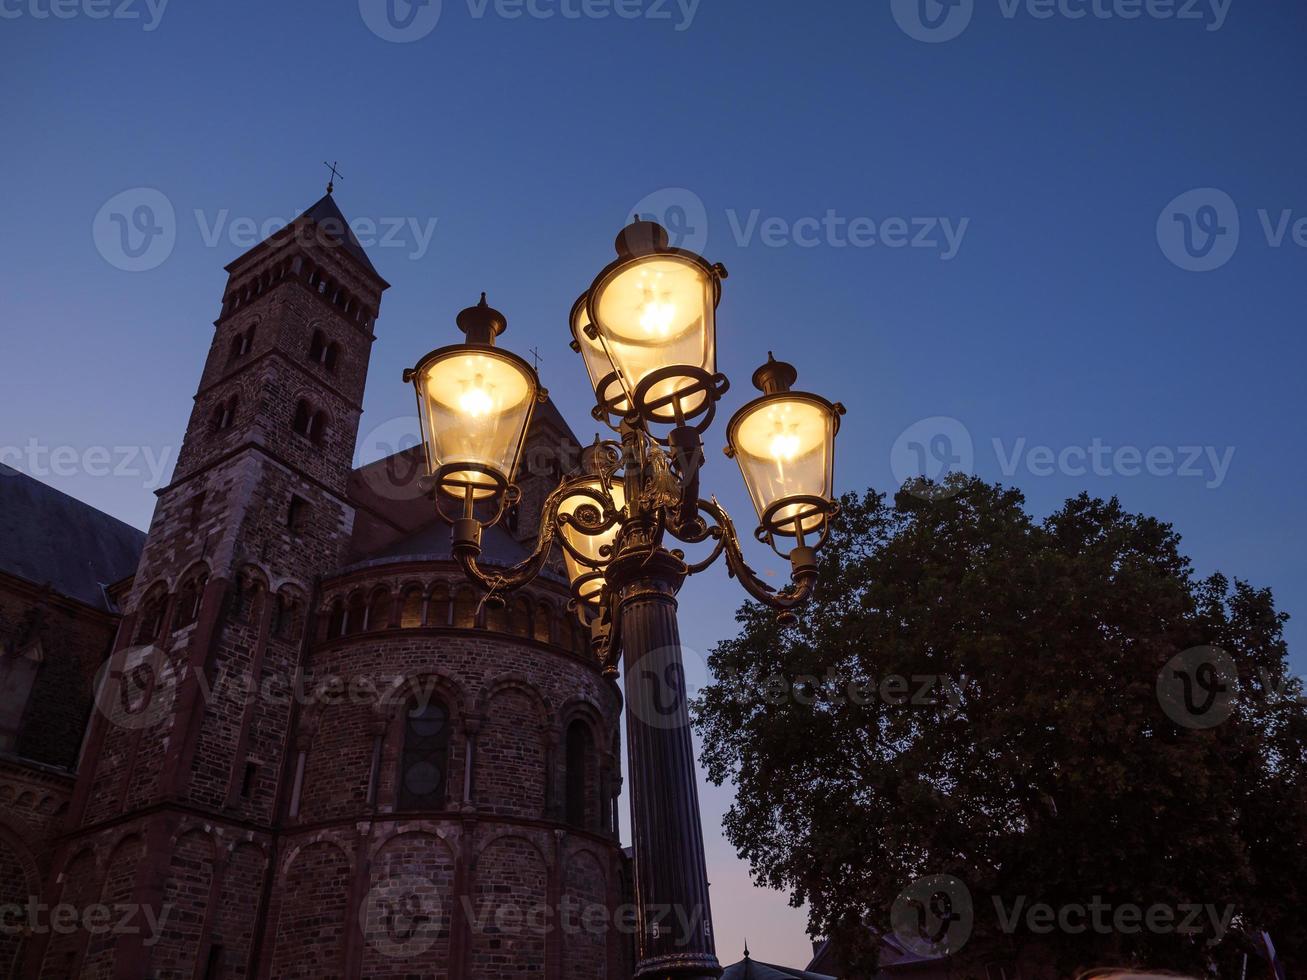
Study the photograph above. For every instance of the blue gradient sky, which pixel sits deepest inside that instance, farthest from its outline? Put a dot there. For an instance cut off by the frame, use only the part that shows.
(1059, 320)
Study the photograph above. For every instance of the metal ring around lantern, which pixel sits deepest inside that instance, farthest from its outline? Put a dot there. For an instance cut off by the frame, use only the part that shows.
(715, 273)
(610, 395)
(502, 495)
(712, 386)
(771, 526)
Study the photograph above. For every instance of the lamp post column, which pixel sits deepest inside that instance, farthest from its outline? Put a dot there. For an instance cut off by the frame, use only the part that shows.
(675, 938)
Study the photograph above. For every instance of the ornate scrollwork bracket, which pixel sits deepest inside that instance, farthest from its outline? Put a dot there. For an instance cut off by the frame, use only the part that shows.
(660, 488)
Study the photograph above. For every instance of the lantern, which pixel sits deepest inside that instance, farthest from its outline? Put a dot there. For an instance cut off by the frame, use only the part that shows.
(784, 443)
(475, 403)
(654, 311)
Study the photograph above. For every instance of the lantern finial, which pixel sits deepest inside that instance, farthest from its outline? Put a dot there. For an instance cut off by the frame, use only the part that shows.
(641, 237)
(482, 323)
(775, 376)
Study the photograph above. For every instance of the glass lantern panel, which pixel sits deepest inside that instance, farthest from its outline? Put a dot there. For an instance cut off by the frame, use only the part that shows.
(654, 312)
(476, 406)
(784, 446)
(597, 364)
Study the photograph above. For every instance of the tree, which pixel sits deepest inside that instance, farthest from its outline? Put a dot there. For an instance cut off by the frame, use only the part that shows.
(1047, 767)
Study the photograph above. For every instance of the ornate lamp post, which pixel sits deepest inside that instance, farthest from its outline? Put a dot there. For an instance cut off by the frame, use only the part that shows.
(646, 330)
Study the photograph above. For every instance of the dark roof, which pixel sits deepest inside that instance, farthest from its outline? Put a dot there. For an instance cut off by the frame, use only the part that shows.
(894, 956)
(49, 538)
(328, 217)
(433, 543)
(548, 413)
(751, 969)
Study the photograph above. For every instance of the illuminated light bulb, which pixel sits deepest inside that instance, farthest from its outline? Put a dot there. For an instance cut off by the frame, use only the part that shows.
(475, 401)
(656, 317)
(784, 445)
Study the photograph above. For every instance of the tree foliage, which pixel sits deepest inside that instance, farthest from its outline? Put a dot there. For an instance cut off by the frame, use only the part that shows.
(1046, 768)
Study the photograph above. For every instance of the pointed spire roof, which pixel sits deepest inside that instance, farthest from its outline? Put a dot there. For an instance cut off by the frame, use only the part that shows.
(326, 215)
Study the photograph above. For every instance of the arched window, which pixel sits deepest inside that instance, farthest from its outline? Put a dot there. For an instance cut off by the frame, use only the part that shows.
(303, 417)
(496, 617)
(410, 615)
(188, 601)
(331, 355)
(465, 608)
(241, 344)
(249, 600)
(297, 514)
(312, 425)
(335, 620)
(354, 614)
(286, 617)
(151, 621)
(579, 777)
(316, 346)
(379, 609)
(543, 626)
(438, 608)
(519, 618)
(424, 762)
(224, 414)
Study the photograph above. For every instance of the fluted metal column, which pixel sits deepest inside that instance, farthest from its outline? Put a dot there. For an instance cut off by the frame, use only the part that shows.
(675, 937)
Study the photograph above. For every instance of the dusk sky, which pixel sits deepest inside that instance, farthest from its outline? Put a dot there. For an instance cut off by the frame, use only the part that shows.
(972, 224)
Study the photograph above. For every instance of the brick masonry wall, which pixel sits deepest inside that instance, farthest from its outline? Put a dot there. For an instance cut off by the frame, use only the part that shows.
(117, 891)
(73, 641)
(508, 939)
(221, 598)
(312, 922)
(509, 700)
(186, 895)
(15, 888)
(269, 833)
(585, 901)
(407, 932)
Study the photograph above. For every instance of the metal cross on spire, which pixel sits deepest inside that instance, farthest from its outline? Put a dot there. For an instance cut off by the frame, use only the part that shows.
(335, 175)
(535, 356)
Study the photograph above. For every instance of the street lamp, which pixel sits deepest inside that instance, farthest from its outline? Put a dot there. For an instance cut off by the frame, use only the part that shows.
(646, 330)
(785, 445)
(654, 311)
(475, 403)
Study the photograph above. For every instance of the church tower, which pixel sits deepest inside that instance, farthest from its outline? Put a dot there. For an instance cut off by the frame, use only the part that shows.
(257, 510)
(316, 753)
